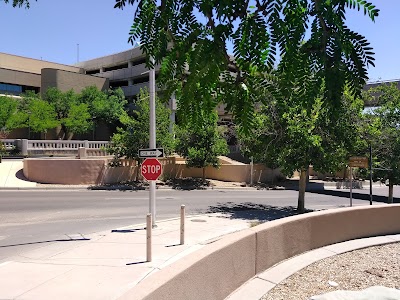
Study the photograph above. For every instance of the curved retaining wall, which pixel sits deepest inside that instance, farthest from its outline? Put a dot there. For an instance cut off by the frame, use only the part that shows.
(64, 170)
(218, 269)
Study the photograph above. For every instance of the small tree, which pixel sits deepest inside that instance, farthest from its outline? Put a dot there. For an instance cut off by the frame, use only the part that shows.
(384, 128)
(134, 133)
(43, 116)
(106, 106)
(62, 103)
(8, 110)
(300, 131)
(201, 143)
(79, 119)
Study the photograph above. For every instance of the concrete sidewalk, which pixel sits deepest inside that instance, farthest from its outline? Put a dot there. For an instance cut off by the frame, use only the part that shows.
(11, 175)
(106, 264)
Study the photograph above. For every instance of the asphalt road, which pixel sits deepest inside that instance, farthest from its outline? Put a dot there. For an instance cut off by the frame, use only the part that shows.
(32, 219)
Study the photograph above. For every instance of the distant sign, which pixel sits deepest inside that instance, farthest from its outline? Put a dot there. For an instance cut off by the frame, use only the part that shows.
(358, 162)
(156, 152)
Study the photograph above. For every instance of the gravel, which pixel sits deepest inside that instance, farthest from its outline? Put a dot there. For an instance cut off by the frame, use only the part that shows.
(355, 270)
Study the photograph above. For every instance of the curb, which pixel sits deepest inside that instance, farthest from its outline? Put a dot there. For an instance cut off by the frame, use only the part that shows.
(125, 188)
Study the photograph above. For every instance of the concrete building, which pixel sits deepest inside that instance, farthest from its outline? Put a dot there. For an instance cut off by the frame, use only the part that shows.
(126, 70)
(20, 74)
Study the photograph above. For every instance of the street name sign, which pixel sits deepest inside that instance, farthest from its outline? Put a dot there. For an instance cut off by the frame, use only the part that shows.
(151, 169)
(358, 162)
(156, 152)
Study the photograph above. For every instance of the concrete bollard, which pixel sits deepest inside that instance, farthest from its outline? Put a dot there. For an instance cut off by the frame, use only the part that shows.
(24, 148)
(148, 237)
(182, 224)
(82, 152)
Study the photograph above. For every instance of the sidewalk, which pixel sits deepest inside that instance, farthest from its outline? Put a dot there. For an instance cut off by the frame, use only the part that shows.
(106, 264)
(11, 175)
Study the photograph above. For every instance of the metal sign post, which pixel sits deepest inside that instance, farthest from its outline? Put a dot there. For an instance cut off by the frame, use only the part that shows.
(370, 174)
(152, 88)
(351, 186)
(356, 162)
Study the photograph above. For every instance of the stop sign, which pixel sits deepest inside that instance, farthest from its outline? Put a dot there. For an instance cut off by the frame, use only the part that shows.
(151, 169)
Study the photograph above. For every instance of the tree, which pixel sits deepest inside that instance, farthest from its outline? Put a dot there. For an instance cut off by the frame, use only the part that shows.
(43, 116)
(104, 106)
(201, 143)
(191, 38)
(134, 133)
(62, 103)
(79, 119)
(8, 109)
(385, 135)
(298, 131)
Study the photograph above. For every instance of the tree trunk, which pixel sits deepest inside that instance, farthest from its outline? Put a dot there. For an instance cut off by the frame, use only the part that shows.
(302, 191)
(204, 175)
(390, 198)
(65, 131)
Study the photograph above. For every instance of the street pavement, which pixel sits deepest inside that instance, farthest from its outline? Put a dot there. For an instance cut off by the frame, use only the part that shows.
(103, 265)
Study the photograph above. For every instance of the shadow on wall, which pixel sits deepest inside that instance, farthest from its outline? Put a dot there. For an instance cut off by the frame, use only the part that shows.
(252, 211)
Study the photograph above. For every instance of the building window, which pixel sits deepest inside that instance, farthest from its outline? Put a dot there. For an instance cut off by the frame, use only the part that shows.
(117, 67)
(91, 72)
(13, 89)
(138, 61)
(142, 79)
(117, 84)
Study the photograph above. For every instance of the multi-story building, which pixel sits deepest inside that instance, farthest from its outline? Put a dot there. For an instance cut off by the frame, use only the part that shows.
(20, 74)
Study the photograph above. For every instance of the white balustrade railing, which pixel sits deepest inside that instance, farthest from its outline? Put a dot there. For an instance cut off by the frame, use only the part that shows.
(36, 146)
(9, 144)
(55, 145)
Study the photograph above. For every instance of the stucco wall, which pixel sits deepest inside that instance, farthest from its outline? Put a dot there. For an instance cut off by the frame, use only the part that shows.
(64, 170)
(30, 65)
(64, 80)
(19, 78)
(221, 267)
(173, 167)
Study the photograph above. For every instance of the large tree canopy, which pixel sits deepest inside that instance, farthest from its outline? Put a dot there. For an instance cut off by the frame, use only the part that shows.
(191, 38)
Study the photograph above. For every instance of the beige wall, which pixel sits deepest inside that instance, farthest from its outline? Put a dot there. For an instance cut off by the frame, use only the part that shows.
(64, 170)
(110, 60)
(218, 269)
(173, 167)
(30, 65)
(64, 80)
(20, 78)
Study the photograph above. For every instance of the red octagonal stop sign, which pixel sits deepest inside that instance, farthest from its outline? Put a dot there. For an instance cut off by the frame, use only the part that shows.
(151, 169)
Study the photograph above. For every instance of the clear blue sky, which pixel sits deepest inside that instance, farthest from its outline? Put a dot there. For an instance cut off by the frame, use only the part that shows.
(51, 29)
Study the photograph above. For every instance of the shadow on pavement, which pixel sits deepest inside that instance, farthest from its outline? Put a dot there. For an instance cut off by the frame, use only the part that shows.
(252, 211)
(188, 184)
(126, 230)
(49, 241)
(359, 196)
(20, 175)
